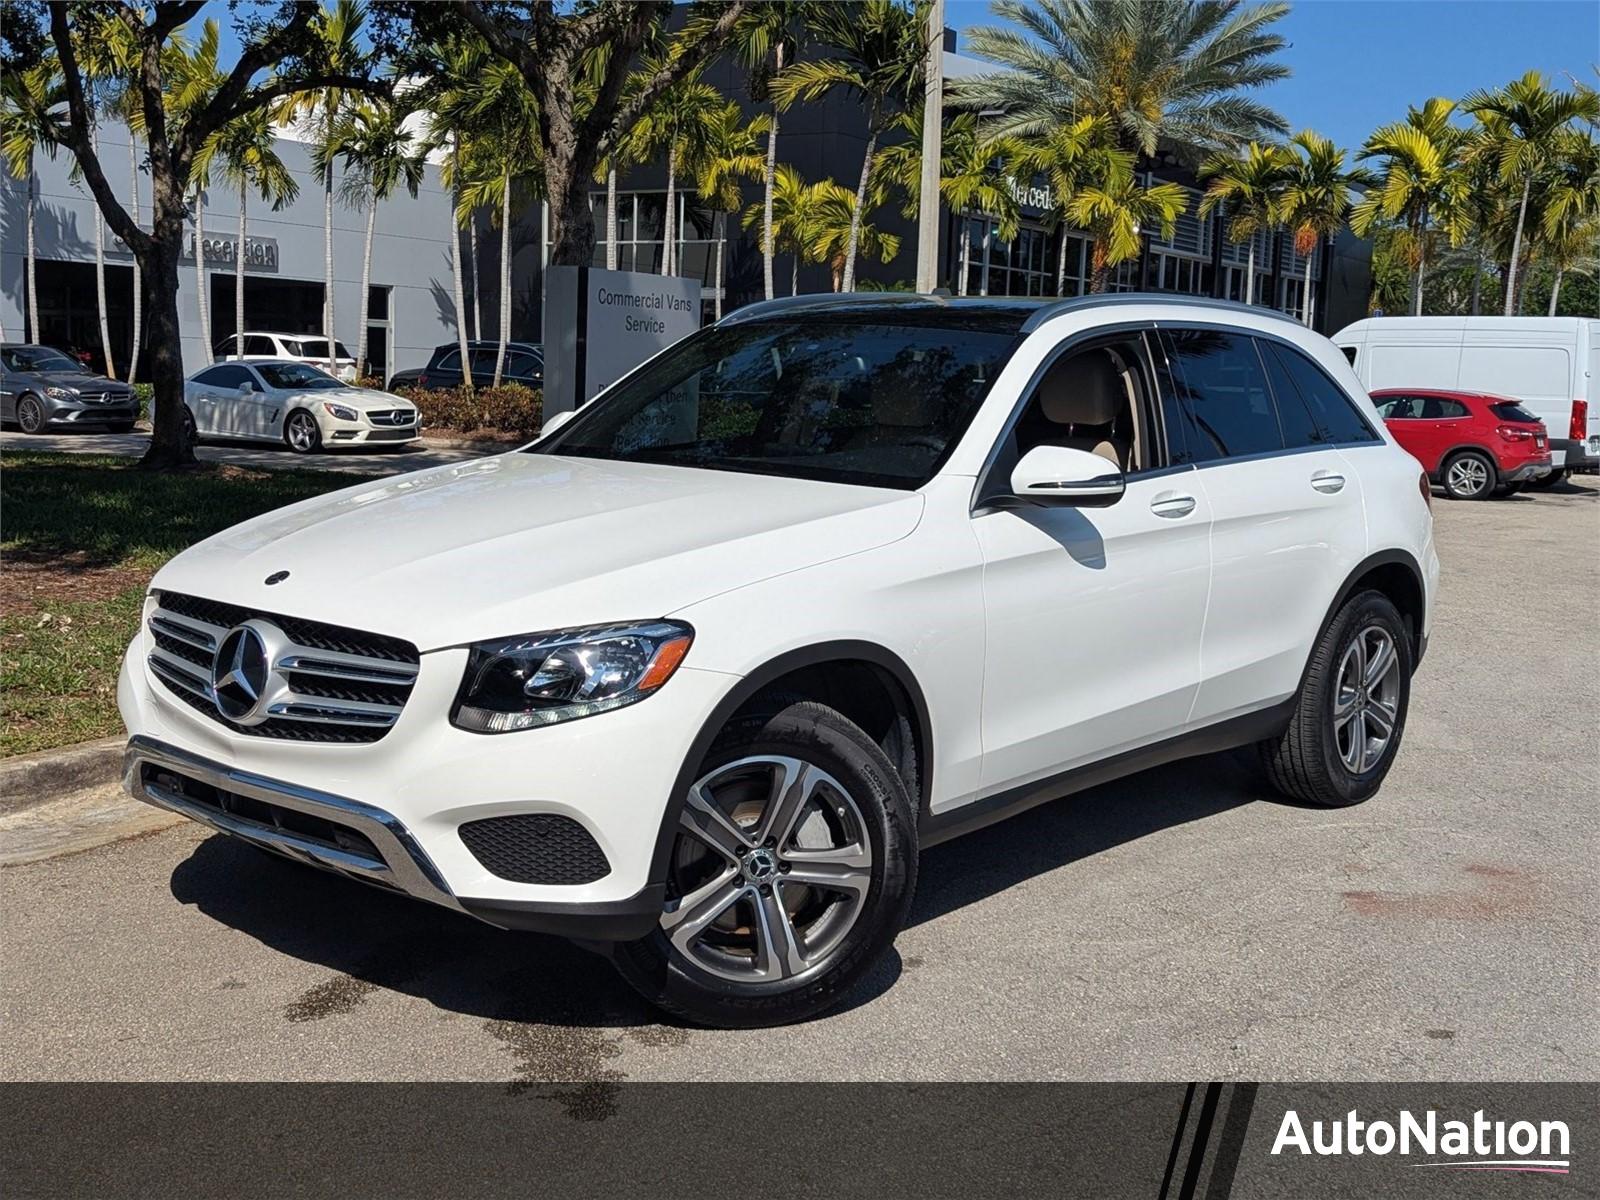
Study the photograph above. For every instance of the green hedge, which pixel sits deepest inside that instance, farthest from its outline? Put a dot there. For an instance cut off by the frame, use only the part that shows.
(511, 408)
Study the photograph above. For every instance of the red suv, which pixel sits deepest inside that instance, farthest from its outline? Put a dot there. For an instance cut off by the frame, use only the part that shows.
(1469, 443)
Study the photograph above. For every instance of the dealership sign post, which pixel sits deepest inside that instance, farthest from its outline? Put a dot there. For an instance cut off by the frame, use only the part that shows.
(599, 325)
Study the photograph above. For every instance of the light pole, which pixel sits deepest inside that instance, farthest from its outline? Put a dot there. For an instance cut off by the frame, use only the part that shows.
(932, 151)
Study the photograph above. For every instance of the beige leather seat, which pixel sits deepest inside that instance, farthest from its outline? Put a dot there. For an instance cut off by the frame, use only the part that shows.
(1086, 393)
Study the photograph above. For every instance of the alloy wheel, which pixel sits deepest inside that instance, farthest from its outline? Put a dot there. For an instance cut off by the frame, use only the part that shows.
(302, 432)
(30, 415)
(1467, 476)
(1366, 704)
(771, 870)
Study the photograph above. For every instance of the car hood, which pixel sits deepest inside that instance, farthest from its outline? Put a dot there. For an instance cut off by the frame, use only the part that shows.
(359, 398)
(80, 381)
(517, 543)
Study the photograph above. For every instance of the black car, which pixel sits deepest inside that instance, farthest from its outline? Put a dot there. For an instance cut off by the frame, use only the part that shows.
(524, 365)
(41, 387)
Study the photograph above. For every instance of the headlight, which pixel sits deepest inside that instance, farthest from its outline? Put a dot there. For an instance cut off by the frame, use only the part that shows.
(544, 678)
(340, 412)
(60, 393)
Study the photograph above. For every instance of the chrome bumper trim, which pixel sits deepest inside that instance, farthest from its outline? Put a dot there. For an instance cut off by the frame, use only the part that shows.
(404, 864)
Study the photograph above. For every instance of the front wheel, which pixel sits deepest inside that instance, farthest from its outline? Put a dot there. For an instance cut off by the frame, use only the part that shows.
(1351, 711)
(31, 415)
(1469, 476)
(792, 871)
(302, 432)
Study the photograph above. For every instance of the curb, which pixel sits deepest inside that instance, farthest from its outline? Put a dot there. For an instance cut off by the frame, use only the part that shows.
(29, 780)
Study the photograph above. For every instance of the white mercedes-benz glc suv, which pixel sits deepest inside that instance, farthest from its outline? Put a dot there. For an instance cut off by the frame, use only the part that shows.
(694, 677)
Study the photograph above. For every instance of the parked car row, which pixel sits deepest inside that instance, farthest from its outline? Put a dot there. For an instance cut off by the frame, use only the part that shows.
(524, 365)
(283, 400)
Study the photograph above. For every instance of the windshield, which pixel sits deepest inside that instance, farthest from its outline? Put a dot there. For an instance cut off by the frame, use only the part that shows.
(36, 358)
(315, 348)
(847, 401)
(296, 376)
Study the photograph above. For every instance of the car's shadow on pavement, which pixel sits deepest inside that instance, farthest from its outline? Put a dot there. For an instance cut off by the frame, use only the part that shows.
(376, 940)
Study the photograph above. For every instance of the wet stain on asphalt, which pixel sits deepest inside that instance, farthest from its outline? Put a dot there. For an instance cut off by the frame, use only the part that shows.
(341, 994)
(911, 963)
(1496, 892)
(1442, 1035)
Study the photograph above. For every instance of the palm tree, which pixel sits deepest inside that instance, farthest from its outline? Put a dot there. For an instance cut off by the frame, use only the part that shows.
(499, 111)
(336, 35)
(882, 54)
(1531, 118)
(973, 175)
(680, 122)
(794, 205)
(1068, 157)
(192, 83)
(1248, 191)
(835, 224)
(380, 156)
(1154, 70)
(29, 97)
(1570, 229)
(1316, 198)
(247, 153)
(1116, 209)
(733, 151)
(766, 39)
(458, 65)
(1421, 184)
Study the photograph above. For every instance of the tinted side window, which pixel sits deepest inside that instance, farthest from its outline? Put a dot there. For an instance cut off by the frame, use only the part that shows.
(1300, 425)
(1330, 408)
(211, 376)
(259, 345)
(224, 377)
(1349, 353)
(1219, 378)
(1452, 410)
(451, 361)
(1399, 408)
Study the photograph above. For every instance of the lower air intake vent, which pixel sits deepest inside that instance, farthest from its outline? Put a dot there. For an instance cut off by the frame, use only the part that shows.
(536, 848)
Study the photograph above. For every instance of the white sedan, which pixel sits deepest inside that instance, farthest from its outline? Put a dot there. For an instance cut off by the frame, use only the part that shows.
(279, 400)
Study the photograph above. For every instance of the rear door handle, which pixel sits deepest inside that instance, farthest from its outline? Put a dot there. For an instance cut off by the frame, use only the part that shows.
(1169, 505)
(1328, 481)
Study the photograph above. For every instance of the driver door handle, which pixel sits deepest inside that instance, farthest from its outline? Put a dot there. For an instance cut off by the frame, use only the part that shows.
(1328, 482)
(1169, 505)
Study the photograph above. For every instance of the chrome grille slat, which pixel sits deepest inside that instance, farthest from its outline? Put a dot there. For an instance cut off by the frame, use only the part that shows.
(324, 683)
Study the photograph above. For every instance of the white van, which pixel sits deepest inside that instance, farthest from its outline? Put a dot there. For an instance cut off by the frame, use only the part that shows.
(1550, 364)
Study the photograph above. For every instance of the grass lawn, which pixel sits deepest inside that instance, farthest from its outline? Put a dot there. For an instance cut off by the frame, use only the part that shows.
(80, 537)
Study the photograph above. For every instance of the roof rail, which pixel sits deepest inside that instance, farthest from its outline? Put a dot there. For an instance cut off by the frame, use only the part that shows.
(1080, 303)
(767, 308)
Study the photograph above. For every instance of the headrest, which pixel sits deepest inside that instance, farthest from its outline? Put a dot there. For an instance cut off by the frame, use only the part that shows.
(1082, 389)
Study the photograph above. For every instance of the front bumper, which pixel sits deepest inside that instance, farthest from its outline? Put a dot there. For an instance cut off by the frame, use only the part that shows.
(71, 412)
(408, 794)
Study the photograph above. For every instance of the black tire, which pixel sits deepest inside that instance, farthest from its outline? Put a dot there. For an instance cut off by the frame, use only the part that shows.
(191, 431)
(301, 433)
(31, 414)
(1469, 475)
(821, 737)
(1553, 480)
(1305, 762)
(120, 427)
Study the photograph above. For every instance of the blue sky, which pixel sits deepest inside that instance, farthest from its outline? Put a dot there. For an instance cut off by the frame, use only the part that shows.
(1357, 64)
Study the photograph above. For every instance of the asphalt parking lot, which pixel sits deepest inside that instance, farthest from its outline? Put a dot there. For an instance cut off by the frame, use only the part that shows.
(1175, 925)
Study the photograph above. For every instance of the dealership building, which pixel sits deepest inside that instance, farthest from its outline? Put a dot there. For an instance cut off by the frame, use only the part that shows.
(411, 306)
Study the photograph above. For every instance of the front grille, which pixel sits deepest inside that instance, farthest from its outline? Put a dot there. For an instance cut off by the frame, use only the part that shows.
(391, 435)
(391, 416)
(324, 683)
(536, 848)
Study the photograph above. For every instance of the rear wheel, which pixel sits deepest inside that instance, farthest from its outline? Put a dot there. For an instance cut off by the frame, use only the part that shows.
(1351, 711)
(793, 867)
(31, 415)
(1469, 475)
(302, 433)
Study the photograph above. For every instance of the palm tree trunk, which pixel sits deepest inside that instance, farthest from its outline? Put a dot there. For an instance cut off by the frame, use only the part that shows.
(33, 281)
(854, 243)
(505, 275)
(722, 220)
(238, 277)
(1061, 261)
(669, 226)
(1422, 262)
(327, 252)
(455, 264)
(366, 285)
(611, 218)
(1555, 291)
(1250, 273)
(200, 273)
(100, 268)
(1102, 269)
(770, 181)
(1477, 286)
(1305, 290)
(477, 284)
(138, 272)
(1516, 248)
(794, 274)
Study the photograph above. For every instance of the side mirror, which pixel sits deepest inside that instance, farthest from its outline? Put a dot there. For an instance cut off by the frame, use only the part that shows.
(556, 422)
(1059, 475)
(247, 388)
